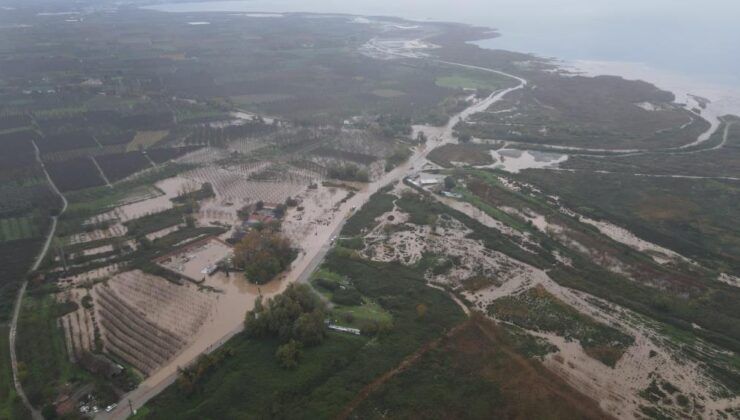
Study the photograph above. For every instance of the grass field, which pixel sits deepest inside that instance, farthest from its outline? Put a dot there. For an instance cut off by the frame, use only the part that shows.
(368, 311)
(473, 80)
(477, 374)
(15, 228)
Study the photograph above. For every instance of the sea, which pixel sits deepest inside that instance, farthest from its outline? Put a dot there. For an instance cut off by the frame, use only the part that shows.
(686, 46)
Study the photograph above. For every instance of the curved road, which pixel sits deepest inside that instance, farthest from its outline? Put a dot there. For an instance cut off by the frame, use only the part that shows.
(19, 299)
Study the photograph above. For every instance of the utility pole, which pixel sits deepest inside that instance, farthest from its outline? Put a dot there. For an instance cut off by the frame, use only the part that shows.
(131, 407)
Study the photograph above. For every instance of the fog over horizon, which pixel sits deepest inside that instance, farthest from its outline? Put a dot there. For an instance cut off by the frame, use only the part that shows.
(680, 36)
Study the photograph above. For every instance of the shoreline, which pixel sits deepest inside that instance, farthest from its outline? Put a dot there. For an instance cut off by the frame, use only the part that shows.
(724, 98)
(721, 100)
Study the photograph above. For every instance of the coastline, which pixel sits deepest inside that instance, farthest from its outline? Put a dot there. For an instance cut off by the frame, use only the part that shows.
(725, 99)
(711, 101)
(722, 100)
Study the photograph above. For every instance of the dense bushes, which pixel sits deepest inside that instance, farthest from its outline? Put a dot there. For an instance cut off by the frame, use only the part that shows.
(205, 192)
(157, 221)
(295, 318)
(364, 218)
(189, 377)
(348, 172)
(346, 296)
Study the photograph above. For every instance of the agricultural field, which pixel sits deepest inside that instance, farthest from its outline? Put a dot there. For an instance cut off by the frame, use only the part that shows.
(471, 233)
(119, 166)
(27, 195)
(18, 154)
(14, 122)
(161, 155)
(71, 140)
(75, 174)
(15, 228)
(172, 315)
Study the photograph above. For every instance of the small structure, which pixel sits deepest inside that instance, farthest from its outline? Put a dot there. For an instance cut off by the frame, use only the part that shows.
(209, 269)
(339, 328)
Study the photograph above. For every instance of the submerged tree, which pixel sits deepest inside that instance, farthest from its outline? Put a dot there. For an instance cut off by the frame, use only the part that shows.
(263, 255)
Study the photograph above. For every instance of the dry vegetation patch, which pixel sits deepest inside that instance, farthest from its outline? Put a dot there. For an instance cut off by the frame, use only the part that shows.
(477, 373)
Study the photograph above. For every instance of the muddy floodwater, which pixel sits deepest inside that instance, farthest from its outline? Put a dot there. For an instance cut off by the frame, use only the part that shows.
(170, 188)
(515, 160)
(234, 297)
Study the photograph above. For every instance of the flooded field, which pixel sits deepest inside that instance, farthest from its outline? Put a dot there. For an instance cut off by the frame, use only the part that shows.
(233, 296)
(515, 160)
(138, 205)
(233, 184)
(197, 260)
(146, 320)
(315, 213)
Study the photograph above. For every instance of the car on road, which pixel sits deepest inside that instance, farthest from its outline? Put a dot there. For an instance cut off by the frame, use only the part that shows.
(111, 407)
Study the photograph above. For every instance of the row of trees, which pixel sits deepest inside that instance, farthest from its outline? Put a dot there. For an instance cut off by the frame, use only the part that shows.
(220, 136)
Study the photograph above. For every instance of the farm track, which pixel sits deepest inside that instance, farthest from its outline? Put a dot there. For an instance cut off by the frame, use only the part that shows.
(406, 363)
(100, 170)
(19, 300)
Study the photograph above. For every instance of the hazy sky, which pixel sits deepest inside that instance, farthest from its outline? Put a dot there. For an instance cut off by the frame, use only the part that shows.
(481, 11)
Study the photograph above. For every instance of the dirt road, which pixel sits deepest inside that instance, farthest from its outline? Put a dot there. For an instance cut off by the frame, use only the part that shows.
(19, 299)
